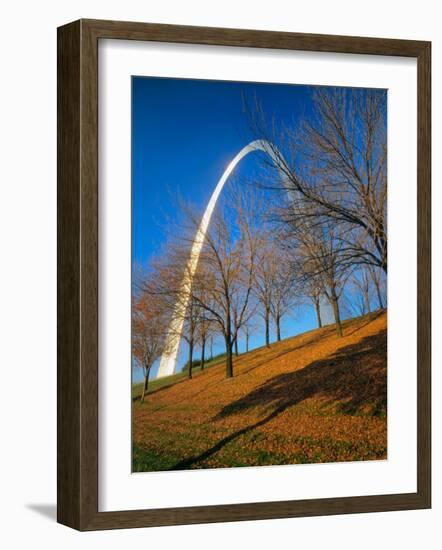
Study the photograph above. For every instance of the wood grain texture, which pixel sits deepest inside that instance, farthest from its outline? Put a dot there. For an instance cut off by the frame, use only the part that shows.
(68, 276)
(424, 274)
(253, 38)
(77, 386)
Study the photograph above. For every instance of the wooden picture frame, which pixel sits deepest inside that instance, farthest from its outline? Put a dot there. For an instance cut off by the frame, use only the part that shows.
(78, 274)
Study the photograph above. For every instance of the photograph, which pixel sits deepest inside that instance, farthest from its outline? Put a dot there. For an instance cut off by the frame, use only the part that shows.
(230, 310)
(259, 274)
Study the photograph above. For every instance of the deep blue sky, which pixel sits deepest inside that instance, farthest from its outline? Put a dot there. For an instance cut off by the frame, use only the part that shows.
(184, 134)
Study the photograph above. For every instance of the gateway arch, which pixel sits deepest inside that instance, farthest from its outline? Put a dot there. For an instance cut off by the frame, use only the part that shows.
(168, 360)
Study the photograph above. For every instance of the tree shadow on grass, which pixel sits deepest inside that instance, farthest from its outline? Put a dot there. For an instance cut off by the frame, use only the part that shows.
(245, 362)
(356, 376)
(277, 355)
(365, 320)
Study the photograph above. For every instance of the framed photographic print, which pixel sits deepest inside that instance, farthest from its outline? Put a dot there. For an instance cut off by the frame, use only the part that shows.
(243, 275)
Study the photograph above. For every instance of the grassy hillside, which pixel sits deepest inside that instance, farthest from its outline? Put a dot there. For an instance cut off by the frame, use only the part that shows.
(311, 398)
(166, 381)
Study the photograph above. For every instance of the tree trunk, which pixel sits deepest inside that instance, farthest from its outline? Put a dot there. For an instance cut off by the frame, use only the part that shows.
(247, 342)
(318, 313)
(335, 306)
(236, 347)
(146, 384)
(228, 340)
(267, 323)
(367, 301)
(384, 256)
(379, 295)
(203, 349)
(229, 359)
(190, 357)
(278, 328)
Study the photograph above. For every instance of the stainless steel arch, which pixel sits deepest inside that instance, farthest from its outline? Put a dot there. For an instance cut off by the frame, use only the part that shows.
(169, 358)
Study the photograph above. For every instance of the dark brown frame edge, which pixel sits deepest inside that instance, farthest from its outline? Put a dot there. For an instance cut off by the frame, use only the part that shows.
(77, 386)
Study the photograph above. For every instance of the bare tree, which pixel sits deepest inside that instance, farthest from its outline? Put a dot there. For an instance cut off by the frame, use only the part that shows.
(324, 262)
(206, 330)
(378, 278)
(247, 329)
(361, 281)
(318, 262)
(285, 289)
(365, 284)
(149, 330)
(225, 276)
(211, 340)
(313, 292)
(335, 166)
(264, 284)
(192, 317)
(275, 284)
(219, 290)
(172, 276)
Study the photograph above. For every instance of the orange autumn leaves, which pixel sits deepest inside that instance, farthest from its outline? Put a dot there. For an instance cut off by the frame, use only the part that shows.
(311, 398)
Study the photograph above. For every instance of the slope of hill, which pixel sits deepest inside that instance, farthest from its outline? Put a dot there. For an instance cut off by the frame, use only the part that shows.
(310, 398)
(166, 381)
